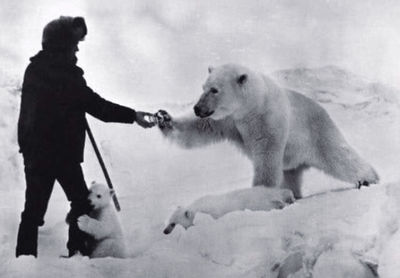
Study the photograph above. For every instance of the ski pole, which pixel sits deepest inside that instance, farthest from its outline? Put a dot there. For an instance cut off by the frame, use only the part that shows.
(103, 166)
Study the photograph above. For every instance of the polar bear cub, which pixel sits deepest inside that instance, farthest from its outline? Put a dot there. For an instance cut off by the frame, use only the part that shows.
(255, 198)
(102, 224)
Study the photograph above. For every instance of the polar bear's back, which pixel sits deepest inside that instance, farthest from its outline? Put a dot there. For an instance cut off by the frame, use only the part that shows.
(254, 198)
(309, 124)
(260, 198)
(112, 219)
(307, 115)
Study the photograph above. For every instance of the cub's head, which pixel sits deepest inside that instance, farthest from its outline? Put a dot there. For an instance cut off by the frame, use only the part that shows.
(181, 216)
(223, 92)
(99, 195)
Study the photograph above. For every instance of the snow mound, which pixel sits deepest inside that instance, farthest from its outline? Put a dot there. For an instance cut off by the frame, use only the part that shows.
(335, 238)
(10, 163)
(336, 86)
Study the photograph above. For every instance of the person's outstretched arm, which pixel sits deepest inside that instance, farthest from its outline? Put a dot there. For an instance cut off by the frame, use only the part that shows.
(108, 111)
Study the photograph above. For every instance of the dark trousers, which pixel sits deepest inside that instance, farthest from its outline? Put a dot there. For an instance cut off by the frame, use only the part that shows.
(40, 180)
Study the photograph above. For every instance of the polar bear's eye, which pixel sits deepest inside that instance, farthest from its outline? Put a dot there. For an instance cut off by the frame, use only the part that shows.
(99, 196)
(214, 91)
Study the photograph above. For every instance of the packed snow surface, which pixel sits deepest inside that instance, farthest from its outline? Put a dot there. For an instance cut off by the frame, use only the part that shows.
(335, 229)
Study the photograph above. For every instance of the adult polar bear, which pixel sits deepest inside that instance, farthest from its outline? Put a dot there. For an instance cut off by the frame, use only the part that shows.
(281, 131)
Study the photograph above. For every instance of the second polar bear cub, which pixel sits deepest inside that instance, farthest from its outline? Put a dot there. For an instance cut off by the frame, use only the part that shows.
(103, 225)
(281, 131)
(256, 198)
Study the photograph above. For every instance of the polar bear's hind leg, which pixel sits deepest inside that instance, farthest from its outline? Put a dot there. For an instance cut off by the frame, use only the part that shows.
(342, 162)
(292, 180)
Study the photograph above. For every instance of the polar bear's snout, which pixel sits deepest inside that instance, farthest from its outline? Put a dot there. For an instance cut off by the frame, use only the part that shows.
(91, 202)
(169, 228)
(197, 110)
(201, 112)
(206, 105)
(91, 205)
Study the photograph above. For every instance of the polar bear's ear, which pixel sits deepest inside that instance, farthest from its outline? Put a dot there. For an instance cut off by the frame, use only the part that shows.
(242, 79)
(210, 69)
(112, 192)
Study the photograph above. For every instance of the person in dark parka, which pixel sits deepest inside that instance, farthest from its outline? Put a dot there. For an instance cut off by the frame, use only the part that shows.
(51, 131)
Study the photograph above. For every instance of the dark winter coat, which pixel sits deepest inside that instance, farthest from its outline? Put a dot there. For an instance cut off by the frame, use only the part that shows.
(55, 98)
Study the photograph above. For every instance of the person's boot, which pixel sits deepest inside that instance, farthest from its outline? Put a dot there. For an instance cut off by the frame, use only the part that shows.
(27, 239)
(72, 253)
(78, 241)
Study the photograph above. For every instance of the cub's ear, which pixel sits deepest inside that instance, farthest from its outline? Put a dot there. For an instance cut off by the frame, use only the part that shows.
(210, 69)
(188, 214)
(112, 192)
(242, 79)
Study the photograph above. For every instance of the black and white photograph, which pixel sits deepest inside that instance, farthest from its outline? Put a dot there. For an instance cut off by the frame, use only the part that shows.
(198, 139)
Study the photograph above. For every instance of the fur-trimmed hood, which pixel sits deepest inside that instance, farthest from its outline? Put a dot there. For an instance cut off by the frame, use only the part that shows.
(63, 33)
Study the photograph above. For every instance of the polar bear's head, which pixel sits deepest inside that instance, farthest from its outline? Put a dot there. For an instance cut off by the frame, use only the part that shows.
(225, 92)
(181, 216)
(100, 195)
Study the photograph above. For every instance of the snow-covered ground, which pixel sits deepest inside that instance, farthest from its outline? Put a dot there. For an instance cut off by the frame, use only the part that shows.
(326, 234)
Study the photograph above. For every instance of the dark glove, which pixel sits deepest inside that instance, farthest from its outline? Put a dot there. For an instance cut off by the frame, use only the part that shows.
(144, 119)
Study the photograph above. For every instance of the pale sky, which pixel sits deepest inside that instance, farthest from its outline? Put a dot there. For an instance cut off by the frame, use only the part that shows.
(158, 50)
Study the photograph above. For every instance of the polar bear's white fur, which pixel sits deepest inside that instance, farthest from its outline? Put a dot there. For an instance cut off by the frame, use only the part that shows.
(282, 132)
(255, 198)
(103, 225)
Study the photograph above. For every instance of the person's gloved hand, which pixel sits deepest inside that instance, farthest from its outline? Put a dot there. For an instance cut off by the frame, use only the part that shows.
(164, 119)
(144, 119)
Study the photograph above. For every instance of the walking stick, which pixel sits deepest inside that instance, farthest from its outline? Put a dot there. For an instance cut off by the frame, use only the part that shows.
(103, 166)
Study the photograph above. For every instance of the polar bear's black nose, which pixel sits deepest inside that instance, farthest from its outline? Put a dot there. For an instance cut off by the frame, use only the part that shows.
(169, 228)
(196, 110)
(90, 204)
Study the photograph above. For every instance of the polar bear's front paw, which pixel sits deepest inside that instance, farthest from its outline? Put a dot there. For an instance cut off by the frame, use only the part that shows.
(83, 223)
(164, 119)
